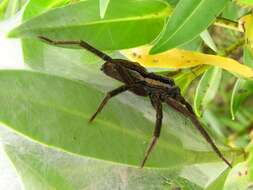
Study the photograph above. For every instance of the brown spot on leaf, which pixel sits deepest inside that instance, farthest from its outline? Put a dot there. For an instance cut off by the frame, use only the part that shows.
(155, 60)
(134, 54)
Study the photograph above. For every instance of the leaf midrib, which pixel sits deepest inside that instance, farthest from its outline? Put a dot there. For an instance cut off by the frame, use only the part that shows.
(162, 143)
(126, 19)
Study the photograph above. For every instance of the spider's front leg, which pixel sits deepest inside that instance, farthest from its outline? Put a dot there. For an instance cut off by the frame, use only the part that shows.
(157, 104)
(108, 96)
(80, 43)
(111, 94)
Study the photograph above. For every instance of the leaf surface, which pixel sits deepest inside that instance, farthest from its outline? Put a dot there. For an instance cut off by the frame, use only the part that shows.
(243, 88)
(188, 20)
(207, 89)
(42, 168)
(124, 25)
(55, 111)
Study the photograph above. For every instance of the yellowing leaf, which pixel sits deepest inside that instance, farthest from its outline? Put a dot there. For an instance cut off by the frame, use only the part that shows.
(177, 58)
(247, 24)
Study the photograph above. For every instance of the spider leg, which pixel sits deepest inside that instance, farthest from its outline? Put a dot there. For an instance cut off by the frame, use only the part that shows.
(184, 102)
(82, 44)
(108, 96)
(113, 93)
(177, 106)
(157, 104)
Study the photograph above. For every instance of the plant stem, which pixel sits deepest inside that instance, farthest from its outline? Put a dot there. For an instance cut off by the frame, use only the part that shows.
(227, 51)
(229, 24)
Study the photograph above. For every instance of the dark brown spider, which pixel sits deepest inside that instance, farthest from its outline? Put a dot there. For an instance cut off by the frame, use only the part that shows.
(137, 80)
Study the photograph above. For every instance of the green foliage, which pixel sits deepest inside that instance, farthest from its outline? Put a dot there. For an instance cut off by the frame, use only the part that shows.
(53, 146)
(103, 4)
(9, 8)
(180, 28)
(53, 117)
(207, 89)
(109, 33)
(245, 2)
(243, 88)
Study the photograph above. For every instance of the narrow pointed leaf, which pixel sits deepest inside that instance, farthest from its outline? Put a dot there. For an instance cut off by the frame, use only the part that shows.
(207, 38)
(243, 88)
(103, 4)
(207, 89)
(178, 58)
(188, 20)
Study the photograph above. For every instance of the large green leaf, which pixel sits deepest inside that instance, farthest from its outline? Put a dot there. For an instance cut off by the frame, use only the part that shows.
(188, 20)
(43, 168)
(55, 111)
(125, 25)
(38, 57)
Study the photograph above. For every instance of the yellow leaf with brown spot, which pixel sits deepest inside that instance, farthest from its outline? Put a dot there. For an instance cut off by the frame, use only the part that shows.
(247, 24)
(178, 58)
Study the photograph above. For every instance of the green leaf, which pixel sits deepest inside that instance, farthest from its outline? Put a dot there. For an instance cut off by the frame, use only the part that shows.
(207, 38)
(103, 4)
(239, 178)
(220, 181)
(36, 59)
(185, 78)
(55, 111)
(233, 11)
(188, 20)
(42, 168)
(207, 89)
(9, 8)
(172, 2)
(124, 25)
(245, 2)
(35, 8)
(180, 183)
(243, 88)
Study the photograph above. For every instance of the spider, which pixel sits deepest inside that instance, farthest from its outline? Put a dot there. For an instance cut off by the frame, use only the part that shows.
(143, 83)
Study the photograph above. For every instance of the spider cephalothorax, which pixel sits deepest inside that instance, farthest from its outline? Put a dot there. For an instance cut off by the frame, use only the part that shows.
(139, 81)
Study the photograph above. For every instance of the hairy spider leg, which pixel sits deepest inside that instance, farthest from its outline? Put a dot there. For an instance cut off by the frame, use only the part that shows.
(82, 44)
(177, 106)
(185, 103)
(157, 104)
(108, 96)
(111, 94)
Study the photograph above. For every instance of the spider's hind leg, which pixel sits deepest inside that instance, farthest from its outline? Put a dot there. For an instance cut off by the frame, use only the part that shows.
(157, 104)
(188, 113)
